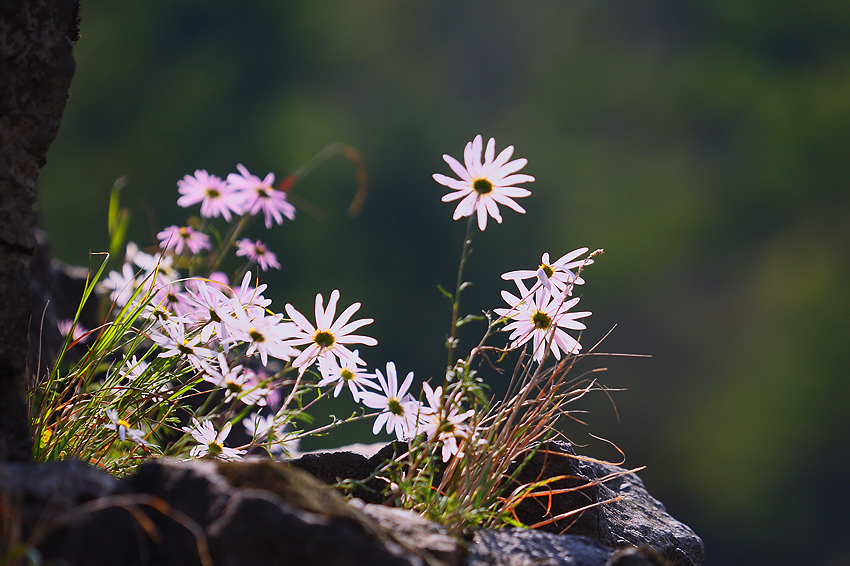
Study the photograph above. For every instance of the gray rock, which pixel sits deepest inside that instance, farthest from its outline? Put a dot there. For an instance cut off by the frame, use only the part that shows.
(261, 512)
(58, 486)
(199, 512)
(332, 467)
(641, 520)
(638, 519)
(418, 532)
(524, 547)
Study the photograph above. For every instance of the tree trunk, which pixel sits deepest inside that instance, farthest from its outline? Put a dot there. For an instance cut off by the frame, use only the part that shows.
(36, 67)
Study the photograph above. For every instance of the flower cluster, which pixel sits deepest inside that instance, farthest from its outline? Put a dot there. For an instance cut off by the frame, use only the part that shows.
(209, 337)
(241, 193)
(542, 313)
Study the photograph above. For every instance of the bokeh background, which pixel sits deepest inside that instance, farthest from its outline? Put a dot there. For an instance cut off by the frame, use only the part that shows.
(704, 145)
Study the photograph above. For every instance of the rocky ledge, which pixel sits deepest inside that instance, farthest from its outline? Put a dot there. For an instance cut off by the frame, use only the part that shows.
(265, 513)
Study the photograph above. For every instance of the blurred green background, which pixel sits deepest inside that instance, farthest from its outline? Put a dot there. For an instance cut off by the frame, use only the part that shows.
(705, 145)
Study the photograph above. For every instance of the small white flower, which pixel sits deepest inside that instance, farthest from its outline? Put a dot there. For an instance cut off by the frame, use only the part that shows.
(133, 369)
(556, 274)
(211, 443)
(399, 407)
(234, 382)
(484, 186)
(67, 326)
(172, 338)
(251, 298)
(265, 335)
(122, 285)
(211, 310)
(123, 428)
(264, 430)
(541, 316)
(328, 338)
(441, 424)
(346, 373)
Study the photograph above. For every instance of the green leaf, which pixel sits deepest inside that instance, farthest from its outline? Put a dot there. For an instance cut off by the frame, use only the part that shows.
(114, 203)
(468, 318)
(445, 293)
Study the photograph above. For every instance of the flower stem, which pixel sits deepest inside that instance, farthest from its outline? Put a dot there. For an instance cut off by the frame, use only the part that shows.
(459, 286)
(229, 239)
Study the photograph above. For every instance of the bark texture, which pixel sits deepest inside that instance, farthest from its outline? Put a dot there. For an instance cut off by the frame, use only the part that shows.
(36, 67)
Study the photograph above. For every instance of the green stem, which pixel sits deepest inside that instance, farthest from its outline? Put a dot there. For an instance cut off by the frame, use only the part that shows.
(464, 255)
(229, 239)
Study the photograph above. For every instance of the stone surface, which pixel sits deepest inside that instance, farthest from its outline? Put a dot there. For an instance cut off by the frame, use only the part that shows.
(261, 512)
(332, 467)
(638, 519)
(199, 512)
(416, 531)
(523, 547)
(36, 67)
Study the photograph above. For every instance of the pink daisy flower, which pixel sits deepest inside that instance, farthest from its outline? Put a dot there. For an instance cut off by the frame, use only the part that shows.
(257, 252)
(484, 186)
(259, 195)
(179, 238)
(67, 326)
(217, 198)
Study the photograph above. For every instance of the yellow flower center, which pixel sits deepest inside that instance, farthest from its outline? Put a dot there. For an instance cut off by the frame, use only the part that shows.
(547, 269)
(395, 407)
(541, 320)
(215, 448)
(482, 186)
(324, 338)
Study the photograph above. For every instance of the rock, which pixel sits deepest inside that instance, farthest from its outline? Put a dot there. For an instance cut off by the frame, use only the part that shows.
(418, 532)
(198, 512)
(524, 547)
(332, 467)
(637, 556)
(64, 509)
(205, 512)
(638, 519)
(58, 486)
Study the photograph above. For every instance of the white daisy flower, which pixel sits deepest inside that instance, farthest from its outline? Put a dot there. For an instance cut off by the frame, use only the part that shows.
(438, 423)
(328, 338)
(484, 186)
(265, 430)
(123, 428)
(265, 335)
(557, 274)
(234, 382)
(211, 443)
(541, 316)
(335, 373)
(399, 407)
